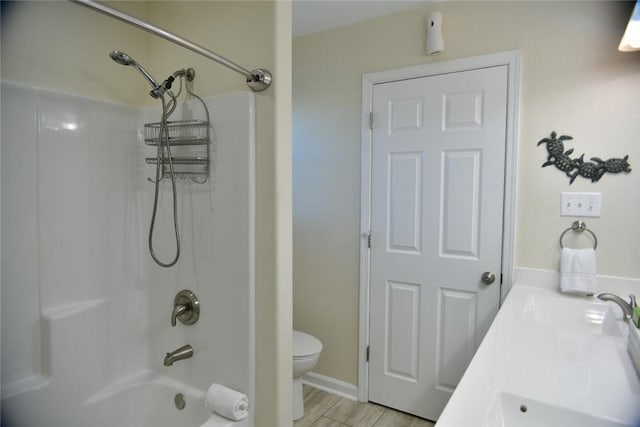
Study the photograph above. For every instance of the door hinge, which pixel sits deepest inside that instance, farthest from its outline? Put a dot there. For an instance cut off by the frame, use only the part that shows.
(371, 120)
(369, 240)
(368, 348)
(501, 278)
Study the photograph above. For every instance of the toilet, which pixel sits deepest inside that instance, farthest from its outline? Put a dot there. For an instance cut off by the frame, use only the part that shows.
(306, 351)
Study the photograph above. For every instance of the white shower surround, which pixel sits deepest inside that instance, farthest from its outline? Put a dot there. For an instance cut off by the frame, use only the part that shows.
(85, 311)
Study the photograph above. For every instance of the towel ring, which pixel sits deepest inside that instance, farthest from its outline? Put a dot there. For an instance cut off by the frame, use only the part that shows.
(579, 226)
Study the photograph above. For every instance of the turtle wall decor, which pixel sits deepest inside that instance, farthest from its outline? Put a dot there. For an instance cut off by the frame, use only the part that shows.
(574, 167)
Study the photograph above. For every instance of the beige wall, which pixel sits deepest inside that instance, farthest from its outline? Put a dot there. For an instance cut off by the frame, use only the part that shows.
(574, 81)
(63, 47)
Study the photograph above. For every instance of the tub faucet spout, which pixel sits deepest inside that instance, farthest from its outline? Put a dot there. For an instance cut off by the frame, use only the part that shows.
(627, 310)
(184, 352)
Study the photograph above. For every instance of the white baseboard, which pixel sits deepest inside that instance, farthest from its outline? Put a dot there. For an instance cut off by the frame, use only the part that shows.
(331, 385)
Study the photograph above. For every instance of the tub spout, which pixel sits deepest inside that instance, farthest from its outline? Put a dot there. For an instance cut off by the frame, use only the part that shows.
(627, 310)
(184, 352)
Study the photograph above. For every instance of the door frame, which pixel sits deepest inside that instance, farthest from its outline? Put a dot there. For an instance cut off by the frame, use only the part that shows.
(512, 60)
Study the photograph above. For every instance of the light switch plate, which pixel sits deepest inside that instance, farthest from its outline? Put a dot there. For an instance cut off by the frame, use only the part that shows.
(581, 204)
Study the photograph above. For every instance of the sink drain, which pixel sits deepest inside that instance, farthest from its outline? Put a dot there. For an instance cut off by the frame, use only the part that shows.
(523, 408)
(179, 401)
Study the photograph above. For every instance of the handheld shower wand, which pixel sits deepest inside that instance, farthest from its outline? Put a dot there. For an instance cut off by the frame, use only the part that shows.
(123, 59)
(157, 92)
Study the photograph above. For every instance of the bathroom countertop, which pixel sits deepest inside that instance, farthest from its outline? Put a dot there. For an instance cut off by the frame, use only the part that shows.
(562, 355)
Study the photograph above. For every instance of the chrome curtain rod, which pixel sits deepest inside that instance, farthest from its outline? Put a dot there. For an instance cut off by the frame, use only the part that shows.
(258, 79)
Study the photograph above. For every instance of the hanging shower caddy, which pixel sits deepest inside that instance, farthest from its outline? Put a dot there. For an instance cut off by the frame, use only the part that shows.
(189, 142)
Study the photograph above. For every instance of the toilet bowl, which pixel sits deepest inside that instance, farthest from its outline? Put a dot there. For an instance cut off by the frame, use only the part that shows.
(306, 351)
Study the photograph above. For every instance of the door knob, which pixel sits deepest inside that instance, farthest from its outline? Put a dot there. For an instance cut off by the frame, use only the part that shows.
(488, 278)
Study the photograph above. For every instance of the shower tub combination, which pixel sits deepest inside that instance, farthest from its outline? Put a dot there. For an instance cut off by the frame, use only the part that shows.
(89, 331)
(86, 313)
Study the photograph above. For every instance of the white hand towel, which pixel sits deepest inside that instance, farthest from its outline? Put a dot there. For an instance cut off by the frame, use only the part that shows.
(229, 403)
(578, 271)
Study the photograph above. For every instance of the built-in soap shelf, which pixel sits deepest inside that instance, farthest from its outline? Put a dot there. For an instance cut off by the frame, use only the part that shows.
(63, 311)
(64, 327)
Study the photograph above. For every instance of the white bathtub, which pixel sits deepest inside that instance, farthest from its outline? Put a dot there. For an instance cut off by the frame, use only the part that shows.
(145, 400)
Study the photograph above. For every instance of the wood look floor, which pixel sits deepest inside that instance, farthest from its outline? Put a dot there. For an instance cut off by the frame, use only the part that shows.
(322, 409)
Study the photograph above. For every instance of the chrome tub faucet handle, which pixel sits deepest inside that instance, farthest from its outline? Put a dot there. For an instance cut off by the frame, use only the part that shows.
(178, 310)
(186, 308)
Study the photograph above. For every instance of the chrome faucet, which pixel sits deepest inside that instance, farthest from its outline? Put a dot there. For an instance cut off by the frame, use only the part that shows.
(184, 352)
(626, 307)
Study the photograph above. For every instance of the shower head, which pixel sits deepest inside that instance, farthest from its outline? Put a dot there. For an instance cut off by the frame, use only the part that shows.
(124, 59)
(121, 58)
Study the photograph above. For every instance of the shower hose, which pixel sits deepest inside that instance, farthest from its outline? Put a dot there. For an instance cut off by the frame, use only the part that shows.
(164, 141)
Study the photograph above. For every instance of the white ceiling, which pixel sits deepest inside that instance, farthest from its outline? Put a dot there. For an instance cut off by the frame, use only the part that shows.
(313, 16)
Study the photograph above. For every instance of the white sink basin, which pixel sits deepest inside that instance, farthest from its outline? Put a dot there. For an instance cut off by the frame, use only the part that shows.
(509, 410)
(586, 316)
(549, 360)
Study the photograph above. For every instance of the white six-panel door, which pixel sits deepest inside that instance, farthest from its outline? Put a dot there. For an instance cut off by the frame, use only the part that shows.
(438, 158)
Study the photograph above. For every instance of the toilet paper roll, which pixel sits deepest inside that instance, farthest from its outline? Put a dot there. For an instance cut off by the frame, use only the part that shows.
(226, 402)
